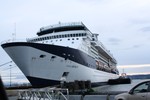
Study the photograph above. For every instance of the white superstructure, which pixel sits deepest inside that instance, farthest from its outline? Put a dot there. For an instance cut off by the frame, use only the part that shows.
(68, 51)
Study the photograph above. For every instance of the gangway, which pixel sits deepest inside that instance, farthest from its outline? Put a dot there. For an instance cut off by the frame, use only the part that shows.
(44, 94)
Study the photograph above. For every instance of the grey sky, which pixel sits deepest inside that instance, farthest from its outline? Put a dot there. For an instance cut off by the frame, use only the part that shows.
(123, 25)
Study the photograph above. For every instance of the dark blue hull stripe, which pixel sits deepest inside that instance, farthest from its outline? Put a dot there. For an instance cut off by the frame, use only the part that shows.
(39, 82)
(65, 52)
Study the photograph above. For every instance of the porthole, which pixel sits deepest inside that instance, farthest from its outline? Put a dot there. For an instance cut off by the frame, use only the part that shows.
(42, 56)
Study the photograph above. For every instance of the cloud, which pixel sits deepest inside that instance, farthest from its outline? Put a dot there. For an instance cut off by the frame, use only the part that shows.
(139, 21)
(136, 46)
(114, 41)
(142, 73)
(134, 66)
(145, 29)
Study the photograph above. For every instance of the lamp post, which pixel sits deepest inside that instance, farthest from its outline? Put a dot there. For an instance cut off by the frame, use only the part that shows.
(10, 74)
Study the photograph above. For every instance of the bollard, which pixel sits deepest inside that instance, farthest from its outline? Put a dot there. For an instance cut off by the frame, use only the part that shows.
(107, 98)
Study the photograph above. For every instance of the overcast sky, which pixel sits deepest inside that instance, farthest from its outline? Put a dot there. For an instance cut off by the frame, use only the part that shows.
(123, 25)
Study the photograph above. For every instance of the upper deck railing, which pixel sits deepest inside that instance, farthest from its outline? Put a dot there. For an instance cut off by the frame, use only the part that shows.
(61, 25)
(13, 40)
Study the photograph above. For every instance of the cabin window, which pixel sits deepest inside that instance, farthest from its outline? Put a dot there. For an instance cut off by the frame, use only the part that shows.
(71, 35)
(80, 34)
(72, 38)
(74, 35)
(62, 36)
(77, 38)
(60, 39)
(68, 39)
(77, 35)
(65, 35)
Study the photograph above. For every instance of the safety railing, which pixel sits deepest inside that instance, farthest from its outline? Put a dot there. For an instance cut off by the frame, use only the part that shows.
(44, 94)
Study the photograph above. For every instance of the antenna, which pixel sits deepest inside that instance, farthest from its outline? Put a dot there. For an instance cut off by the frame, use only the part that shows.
(14, 33)
(10, 75)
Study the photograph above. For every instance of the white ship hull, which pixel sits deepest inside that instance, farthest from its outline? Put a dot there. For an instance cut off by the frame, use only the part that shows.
(45, 64)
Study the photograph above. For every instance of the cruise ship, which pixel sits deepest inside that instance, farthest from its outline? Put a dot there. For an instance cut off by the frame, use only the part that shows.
(63, 52)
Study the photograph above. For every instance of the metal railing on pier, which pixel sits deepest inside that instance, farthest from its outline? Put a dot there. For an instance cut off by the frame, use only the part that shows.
(44, 94)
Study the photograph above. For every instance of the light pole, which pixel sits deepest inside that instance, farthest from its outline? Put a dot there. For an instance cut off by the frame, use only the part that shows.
(10, 75)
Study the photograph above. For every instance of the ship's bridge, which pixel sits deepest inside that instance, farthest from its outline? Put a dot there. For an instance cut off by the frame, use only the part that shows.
(74, 26)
